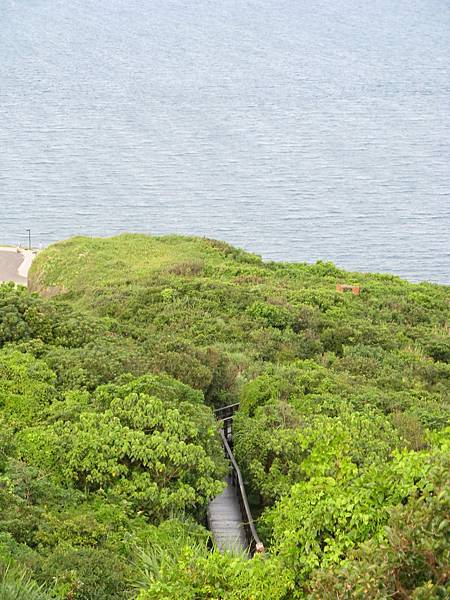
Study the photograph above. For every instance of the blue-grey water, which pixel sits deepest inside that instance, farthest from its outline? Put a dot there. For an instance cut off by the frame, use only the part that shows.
(298, 129)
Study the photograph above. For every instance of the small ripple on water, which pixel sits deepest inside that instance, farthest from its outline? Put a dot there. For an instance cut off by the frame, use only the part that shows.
(309, 132)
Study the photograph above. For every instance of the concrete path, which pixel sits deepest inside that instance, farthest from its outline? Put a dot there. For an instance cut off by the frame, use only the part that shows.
(14, 266)
(225, 521)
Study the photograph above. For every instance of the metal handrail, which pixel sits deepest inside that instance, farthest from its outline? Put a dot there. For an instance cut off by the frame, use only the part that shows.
(227, 411)
(254, 543)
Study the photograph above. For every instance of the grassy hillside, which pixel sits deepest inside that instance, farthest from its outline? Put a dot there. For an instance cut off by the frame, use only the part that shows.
(109, 451)
(230, 311)
(84, 264)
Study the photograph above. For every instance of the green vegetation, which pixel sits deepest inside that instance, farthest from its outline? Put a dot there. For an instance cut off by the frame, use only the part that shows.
(109, 452)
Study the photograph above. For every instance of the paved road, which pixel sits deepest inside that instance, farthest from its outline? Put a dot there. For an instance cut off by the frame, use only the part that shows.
(9, 265)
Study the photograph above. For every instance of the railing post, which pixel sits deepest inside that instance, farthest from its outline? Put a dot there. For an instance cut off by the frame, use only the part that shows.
(259, 549)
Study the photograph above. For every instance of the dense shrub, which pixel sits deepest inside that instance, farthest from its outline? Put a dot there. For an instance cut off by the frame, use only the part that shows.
(109, 450)
(150, 442)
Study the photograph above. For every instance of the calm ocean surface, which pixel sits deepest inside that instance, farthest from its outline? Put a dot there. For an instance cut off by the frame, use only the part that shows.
(297, 129)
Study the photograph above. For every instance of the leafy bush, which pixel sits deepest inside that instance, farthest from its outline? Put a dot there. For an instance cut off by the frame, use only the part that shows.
(411, 556)
(150, 442)
(27, 387)
(85, 574)
(107, 381)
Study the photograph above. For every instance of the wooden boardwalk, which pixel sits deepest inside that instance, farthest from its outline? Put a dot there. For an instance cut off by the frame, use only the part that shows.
(229, 516)
(225, 521)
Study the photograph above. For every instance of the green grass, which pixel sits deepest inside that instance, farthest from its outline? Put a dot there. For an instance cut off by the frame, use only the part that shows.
(87, 268)
(17, 585)
(81, 263)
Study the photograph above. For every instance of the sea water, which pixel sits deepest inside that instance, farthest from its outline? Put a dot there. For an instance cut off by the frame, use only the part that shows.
(297, 129)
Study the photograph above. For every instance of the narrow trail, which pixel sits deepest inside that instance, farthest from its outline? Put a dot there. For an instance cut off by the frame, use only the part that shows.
(225, 521)
(229, 517)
